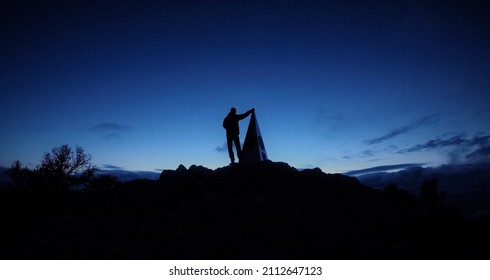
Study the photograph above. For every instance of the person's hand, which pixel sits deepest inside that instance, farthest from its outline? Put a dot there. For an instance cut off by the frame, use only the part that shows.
(253, 110)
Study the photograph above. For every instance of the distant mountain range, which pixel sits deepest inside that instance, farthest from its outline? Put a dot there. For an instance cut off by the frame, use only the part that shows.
(126, 176)
(4, 177)
(121, 175)
(465, 185)
(455, 178)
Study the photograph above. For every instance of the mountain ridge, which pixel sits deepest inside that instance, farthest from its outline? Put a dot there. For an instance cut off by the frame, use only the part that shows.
(266, 210)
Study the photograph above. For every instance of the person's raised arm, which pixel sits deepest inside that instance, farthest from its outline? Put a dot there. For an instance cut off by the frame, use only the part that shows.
(242, 116)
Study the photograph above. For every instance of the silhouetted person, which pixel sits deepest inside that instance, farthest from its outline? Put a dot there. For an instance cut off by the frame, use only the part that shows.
(230, 123)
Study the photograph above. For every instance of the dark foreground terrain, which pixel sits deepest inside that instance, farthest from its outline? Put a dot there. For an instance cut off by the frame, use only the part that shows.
(262, 211)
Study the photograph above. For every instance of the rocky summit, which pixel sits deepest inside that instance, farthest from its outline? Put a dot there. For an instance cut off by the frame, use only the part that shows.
(264, 210)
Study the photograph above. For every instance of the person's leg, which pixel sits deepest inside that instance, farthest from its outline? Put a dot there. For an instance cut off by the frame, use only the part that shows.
(229, 142)
(236, 139)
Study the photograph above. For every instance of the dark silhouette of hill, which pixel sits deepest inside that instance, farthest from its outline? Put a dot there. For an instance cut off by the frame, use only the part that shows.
(455, 178)
(125, 175)
(4, 178)
(466, 185)
(266, 210)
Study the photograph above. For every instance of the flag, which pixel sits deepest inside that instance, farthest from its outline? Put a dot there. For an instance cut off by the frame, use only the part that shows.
(253, 147)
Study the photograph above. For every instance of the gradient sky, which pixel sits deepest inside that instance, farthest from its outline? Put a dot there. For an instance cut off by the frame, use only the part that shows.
(341, 85)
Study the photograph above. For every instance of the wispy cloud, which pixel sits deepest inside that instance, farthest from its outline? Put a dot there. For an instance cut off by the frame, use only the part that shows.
(436, 143)
(111, 132)
(367, 153)
(111, 167)
(459, 140)
(472, 149)
(480, 154)
(480, 140)
(425, 121)
(222, 148)
(107, 126)
(452, 178)
(382, 168)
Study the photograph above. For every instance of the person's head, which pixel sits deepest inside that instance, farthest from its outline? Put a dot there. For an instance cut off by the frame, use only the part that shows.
(233, 110)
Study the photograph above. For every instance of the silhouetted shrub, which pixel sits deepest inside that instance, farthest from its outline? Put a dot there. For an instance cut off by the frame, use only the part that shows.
(397, 195)
(59, 170)
(430, 197)
(21, 176)
(104, 182)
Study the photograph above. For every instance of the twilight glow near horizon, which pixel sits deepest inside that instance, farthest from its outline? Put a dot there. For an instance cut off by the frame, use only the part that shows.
(340, 85)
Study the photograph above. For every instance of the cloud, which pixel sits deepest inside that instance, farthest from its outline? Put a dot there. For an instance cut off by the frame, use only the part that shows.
(373, 152)
(105, 126)
(463, 184)
(480, 154)
(437, 143)
(453, 178)
(111, 167)
(367, 153)
(425, 121)
(222, 148)
(476, 148)
(382, 168)
(480, 140)
(111, 132)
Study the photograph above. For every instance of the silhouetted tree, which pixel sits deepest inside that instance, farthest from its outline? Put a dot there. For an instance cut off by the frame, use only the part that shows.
(63, 168)
(400, 196)
(103, 183)
(59, 170)
(430, 197)
(21, 176)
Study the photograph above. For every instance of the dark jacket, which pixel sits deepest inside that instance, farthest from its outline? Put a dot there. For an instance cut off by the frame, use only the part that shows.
(230, 123)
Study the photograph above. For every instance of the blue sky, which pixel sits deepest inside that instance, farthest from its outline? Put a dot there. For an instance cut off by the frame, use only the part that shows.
(340, 85)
